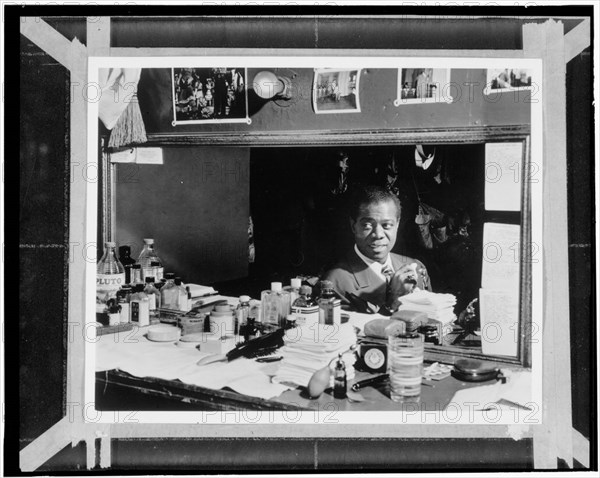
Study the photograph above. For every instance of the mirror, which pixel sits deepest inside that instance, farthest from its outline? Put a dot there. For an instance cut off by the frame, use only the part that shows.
(282, 170)
(297, 199)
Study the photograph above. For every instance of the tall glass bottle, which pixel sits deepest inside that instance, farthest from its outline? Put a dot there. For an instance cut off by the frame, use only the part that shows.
(275, 307)
(110, 276)
(330, 307)
(405, 364)
(147, 256)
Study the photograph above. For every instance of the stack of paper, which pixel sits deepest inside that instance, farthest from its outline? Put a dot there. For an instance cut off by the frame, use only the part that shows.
(438, 307)
(310, 348)
(198, 290)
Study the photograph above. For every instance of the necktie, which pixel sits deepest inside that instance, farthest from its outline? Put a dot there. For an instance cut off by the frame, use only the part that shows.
(387, 271)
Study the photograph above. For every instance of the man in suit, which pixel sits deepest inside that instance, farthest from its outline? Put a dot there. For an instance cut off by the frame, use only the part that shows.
(372, 279)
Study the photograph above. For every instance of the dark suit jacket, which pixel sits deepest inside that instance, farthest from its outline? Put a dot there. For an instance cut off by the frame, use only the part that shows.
(359, 288)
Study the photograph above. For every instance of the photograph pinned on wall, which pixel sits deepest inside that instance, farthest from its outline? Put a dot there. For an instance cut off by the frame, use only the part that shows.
(336, 91)
(209, 95)
(507, 79)
(423, 85)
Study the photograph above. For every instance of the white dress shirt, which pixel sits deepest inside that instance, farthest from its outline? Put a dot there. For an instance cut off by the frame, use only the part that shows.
(375, 266)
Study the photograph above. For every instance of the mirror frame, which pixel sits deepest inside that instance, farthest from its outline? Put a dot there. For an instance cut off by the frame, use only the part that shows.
(462, 135)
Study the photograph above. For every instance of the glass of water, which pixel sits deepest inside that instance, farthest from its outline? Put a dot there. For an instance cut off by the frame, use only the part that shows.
(405, 367)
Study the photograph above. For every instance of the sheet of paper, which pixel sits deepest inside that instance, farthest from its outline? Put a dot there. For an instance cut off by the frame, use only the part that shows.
(501, 251)
(503, 173)
(499, 316)
(133, 353)
(517, 390)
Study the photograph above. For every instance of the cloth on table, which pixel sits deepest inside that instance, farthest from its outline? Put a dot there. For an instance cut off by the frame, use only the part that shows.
(133, 353)
(309, 348)
(438, 307)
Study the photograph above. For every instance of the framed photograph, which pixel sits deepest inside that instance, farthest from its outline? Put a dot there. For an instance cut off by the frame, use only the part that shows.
(336, 91)
(423, 85)
(209, 95)
(508, 79)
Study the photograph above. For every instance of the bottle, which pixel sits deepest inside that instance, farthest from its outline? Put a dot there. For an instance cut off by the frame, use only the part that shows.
(305, 308)
(136, 275)
(157, 270)
(123, 298)
(250, 328)
(182, 295)
(189, 298)
(290, 322)
(275, 307)
(241, 313)
(254, 323)
(405, 364)
(153, 296)
(169, 293)
(127, 261)
(140, 306)
(339, 379)
(330, 307)
(294, 289)
(147, 256)
(110, 276)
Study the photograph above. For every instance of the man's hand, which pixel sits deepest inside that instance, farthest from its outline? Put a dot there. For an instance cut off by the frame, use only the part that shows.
(404, 281)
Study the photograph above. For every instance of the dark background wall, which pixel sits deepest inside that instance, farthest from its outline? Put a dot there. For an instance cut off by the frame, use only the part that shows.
(195, 206)
(41, 324)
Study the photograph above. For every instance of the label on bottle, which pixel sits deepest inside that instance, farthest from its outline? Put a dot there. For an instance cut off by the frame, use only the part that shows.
(125, 306)
(306, 315)
(152, 301)
(107, 285)
(110, 281)
(330, 312)
(140, 312)
(135, 311)
(146, 272)
(158, 273)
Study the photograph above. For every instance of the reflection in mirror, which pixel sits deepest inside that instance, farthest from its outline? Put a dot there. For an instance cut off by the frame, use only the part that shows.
(452, 220)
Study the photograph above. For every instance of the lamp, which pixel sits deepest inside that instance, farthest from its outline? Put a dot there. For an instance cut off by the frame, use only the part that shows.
(268, 85)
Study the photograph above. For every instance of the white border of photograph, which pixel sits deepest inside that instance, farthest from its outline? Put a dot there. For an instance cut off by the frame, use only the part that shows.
(246, 119)
(490, 75)
(354, 88)
(322, 416)
(442, 87)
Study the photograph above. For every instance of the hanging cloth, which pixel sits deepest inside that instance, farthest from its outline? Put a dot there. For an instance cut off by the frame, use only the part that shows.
(118, 107)
(422, 220)
(423, 160)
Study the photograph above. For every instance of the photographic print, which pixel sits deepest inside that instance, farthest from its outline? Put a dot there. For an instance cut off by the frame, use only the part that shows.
(217, 95)
(336, 91)
(389, 290)
(507, 79)
(423, 85)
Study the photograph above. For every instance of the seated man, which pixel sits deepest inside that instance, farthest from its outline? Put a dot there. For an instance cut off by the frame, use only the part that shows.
(371, 279)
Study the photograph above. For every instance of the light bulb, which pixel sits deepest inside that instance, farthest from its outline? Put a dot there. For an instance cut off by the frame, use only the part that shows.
(268, 85)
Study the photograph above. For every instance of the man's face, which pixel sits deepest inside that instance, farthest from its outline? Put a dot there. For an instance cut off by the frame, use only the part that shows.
(375, 229)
